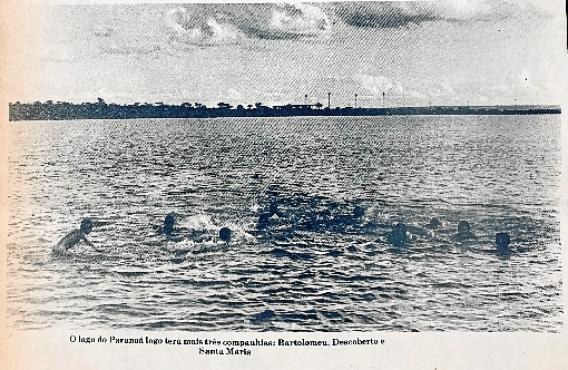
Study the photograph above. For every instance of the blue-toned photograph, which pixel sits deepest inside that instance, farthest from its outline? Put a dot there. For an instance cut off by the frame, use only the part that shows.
(336, 166)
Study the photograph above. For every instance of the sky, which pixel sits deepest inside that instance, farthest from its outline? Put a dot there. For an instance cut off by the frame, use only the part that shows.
(418, 53)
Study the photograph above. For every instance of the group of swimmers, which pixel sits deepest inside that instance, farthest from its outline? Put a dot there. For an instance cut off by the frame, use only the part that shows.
(168, 229)
(399, 236)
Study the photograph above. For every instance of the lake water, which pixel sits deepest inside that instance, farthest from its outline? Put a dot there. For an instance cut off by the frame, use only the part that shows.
(317, 266)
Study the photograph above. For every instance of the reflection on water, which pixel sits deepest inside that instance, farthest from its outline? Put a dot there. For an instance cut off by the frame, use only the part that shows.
(310, 202)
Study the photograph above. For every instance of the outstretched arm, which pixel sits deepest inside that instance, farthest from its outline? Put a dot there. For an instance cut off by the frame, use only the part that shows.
(89, 243)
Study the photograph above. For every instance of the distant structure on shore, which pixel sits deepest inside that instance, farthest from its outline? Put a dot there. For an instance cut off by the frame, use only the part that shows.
(101, 110)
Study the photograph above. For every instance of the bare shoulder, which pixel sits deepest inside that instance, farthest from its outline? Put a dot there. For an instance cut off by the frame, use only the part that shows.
(70, 239)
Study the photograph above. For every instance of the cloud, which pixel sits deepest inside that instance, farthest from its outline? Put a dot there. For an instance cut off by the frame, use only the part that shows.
(213, 24)
(400, 14)
(298, 20)
(462, 10)
(422, 92)
(382, 14)
(375, 85)
(202, 28)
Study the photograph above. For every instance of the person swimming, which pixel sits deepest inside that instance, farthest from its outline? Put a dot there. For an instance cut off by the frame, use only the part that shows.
(263, 221)
(75, 237)
(169, 223)
(270, 216)
(464, 231)
(218, 242)
(168, 229)
(273, 208)
(225, 234)
(358, 212)
(502, 241)
(398, 237)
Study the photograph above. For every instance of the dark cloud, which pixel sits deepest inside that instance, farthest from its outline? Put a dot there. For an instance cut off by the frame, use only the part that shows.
(383, 14)
(400, 14)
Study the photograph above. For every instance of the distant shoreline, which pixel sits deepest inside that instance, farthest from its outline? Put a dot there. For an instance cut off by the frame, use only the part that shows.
(50, 111)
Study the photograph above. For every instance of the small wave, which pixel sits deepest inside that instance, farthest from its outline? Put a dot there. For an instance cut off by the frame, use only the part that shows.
(208, 283)
(368, 297)
(334, 253)
(332, 315)
(451, 284)
(476, 204)
(299, 316)
(294, 256)
(112, 308)
(161, 324)
(132, 273)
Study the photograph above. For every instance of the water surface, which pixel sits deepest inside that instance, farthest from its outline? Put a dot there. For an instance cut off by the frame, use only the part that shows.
(498, 173)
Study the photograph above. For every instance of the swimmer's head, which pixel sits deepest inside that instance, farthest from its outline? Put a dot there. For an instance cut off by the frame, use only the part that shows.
(464, 228)
(358, 211)
(273, 207)
(502, 241)
(169, 223)
(263, 221)
(86, 225)
(398, 235)
(225, 234)
(434, 223)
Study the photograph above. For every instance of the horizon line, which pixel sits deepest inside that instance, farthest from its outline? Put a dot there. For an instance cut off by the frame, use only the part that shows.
(256, 104)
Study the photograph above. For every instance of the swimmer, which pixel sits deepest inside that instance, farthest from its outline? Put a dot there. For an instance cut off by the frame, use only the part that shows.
(502, 241)
(168, 229)
(464, 231)
(225, 234)
(169, 223)
(398, 237)
(358, 212)
(269, 217)
(75, 237)
(263, 221)
(273, 208)
(216, 243)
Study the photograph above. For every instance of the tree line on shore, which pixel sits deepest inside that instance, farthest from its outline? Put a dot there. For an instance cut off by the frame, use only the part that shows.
(50, 110)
